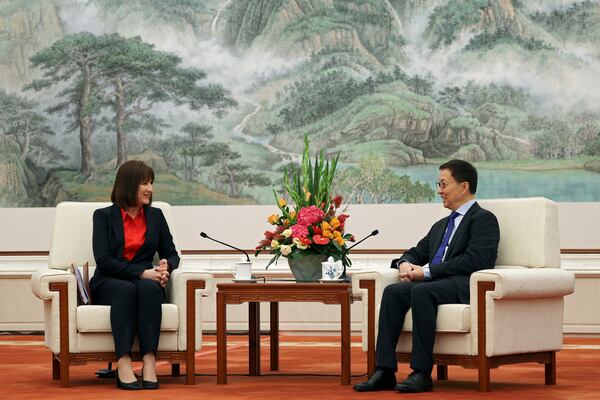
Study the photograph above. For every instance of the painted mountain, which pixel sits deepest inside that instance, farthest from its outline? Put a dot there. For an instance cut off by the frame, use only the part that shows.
(218, 95)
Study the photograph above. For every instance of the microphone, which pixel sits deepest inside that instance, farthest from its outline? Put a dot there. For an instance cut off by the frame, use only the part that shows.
(375, 232)
(344, 276)
(204, 235)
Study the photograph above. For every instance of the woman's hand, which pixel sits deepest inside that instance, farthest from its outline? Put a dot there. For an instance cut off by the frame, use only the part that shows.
(158, 274)
(163, 268)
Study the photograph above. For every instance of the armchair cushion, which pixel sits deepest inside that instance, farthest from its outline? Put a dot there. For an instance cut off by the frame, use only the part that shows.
(450, 318)
(97, 318)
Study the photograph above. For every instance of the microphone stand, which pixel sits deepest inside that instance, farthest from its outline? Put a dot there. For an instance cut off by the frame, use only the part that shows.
(344, 276)
(204, 235)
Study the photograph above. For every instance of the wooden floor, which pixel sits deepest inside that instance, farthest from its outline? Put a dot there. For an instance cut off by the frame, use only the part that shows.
(309, 369)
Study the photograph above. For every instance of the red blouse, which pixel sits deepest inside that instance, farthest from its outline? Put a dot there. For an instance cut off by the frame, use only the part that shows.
(134, 230)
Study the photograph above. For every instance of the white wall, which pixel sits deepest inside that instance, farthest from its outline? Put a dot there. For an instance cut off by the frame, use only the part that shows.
(29, 229)
(400, 225)
(20, 310)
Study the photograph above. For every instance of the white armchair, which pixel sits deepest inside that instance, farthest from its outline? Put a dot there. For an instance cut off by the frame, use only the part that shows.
(519, 302)
(77, 334)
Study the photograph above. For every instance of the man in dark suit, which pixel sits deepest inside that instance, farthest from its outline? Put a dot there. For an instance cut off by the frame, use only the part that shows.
(434, 272)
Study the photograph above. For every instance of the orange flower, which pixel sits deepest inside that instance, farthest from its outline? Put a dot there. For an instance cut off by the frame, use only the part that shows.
(340, 240)
(273, 219)
(325, 226)
(335, 223)
(281, 202)
(293, 214)
(327, 234)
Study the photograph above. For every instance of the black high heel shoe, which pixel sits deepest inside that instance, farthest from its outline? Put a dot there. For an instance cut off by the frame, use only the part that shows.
(149, 384)
(135, 385)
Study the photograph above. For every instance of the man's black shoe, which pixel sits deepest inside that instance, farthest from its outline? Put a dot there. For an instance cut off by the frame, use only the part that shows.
(380, 380)
(416, 382)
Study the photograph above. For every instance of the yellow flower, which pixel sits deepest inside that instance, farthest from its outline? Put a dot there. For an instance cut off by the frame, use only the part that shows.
(334, 222)
(340, 240)
(293, 214)
(337, 234)
(325, 226)
(327, 234)
(274, 244)
(273, 219)
(281, 202)
(307, 196)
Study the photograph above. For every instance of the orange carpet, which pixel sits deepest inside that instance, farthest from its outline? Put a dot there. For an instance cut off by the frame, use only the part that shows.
(25, 373)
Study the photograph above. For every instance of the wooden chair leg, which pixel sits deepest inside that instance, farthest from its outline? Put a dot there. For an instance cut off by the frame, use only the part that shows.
(175, 370)
(55, 368)
(190, 368)
(483, 362)
(550, 370)
(369, 285)
(442, 372)
(484, 375)
(64, 355)
(64, 370)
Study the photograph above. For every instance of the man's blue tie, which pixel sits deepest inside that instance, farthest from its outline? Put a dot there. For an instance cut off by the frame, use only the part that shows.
(440, 251)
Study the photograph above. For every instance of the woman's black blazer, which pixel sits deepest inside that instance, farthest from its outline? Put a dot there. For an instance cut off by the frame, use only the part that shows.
(108, 242)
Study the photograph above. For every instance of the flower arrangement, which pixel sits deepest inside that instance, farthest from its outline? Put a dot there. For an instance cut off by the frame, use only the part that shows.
(316, 225)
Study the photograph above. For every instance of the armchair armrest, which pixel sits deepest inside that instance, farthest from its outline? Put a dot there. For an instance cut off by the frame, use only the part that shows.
(186, 287)
(534, 297)
(382, 278)
(524, 283)
(369, 285)
(58, 289)
(41, 279)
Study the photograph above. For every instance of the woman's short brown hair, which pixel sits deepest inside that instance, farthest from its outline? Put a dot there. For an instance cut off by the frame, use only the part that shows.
(130, 176)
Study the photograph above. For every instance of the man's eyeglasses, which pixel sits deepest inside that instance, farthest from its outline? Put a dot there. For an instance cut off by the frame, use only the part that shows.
(443, 184)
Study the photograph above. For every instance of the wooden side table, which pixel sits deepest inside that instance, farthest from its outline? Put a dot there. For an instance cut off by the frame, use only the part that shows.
(275, 292)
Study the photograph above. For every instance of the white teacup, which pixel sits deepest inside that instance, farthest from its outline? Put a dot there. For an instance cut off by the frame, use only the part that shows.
(331, 270)
(242, 270)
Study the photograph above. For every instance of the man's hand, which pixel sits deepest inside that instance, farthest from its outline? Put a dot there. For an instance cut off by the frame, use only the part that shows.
(410, 272)
(404, 269)
(417, 273)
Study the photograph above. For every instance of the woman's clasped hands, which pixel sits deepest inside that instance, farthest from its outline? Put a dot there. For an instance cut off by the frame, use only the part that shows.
(159, 274)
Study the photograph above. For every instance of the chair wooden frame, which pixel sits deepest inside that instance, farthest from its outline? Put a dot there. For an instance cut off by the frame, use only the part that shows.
(64, 359)
(481, 362)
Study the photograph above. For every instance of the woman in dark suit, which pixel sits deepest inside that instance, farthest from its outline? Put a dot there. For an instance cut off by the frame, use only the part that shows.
(126, 236)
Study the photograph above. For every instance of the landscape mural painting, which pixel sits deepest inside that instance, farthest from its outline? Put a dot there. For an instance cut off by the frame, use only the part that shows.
(217, 96)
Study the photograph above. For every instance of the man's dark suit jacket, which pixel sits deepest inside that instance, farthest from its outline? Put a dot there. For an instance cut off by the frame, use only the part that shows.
(108, 242)
(474, 247)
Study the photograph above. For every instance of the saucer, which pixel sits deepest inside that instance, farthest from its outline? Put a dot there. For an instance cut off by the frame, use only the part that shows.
(331, 280)
(252, 280)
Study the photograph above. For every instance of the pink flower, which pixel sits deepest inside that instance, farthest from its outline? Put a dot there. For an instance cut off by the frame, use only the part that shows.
(299, 231)
(310, 215)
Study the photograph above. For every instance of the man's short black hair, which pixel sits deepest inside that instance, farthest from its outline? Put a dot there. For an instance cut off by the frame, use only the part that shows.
(130, 176)
(462, 171)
